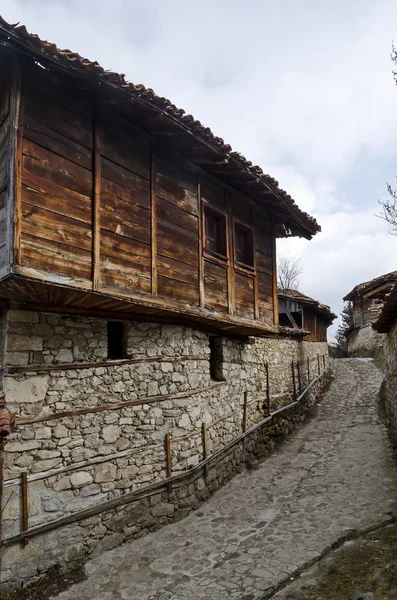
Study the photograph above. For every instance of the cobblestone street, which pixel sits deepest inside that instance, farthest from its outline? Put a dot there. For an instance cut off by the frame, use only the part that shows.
(336, 474)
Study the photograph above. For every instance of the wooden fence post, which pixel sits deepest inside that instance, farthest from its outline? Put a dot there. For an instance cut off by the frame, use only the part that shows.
(25, 505)
(204, 440)
(244, 423)
(324, 361)
(167, 441)
(293, 379)
(308, 370)
(268, 390)
(318, 364)
(299, 377)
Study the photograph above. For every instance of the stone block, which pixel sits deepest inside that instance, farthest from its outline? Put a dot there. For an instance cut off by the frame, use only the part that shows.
(91, 490)
(17, 359)
(32, 389)
(80, 479)
(17, 342)
(62, 484)
(104, 473)
(64, 356)
(45, 454)
(162, 509)
(107, 543)
(111, 433)
(60, 431)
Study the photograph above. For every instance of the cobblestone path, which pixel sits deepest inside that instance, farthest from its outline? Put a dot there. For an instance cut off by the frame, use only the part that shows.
(335, 475)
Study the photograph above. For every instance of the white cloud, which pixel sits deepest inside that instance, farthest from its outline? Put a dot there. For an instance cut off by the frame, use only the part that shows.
(303, 89)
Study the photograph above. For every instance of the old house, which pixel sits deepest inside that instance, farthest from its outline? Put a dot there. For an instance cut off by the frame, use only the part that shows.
(368, 299)
(139, 327)
(299, 311)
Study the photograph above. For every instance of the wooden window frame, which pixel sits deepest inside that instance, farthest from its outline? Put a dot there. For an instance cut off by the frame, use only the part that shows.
(210, 254)
(239, 266)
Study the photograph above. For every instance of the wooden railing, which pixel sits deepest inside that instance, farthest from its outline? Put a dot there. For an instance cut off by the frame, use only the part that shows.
(181, 478)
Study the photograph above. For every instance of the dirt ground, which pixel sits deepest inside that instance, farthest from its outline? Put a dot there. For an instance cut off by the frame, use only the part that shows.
(362, 569)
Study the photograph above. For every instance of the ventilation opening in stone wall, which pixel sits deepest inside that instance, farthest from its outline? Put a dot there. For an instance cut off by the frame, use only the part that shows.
(216, 358)
(116, 340)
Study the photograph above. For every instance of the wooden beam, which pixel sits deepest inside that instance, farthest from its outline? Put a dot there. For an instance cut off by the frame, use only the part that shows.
(201, 225)
(25, 506)
(121, 405)
(16, 139)
(231, 292)
(168, 459)
(274, 261)
(153, 217)
(96, 217)
(184, 477)
(268, 390)
(102, 363)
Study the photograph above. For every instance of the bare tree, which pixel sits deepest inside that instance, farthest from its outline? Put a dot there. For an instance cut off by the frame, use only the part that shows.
(389, 210)
(389, 207)
(288, 271)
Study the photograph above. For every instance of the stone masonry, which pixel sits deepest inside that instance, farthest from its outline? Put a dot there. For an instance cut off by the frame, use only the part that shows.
(77, 461)
(364, 342)
(389, 387)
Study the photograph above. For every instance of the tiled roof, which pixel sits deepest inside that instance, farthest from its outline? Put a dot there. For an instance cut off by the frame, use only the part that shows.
(244, 173)
(296, 295)
(369, 285)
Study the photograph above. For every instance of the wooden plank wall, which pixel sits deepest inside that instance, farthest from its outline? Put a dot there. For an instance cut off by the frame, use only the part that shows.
(103, 208)
(56, 198)
(309, 323)
(264, 249)
(321, 330)
(125, 221)
(5, 142)
(177, 233)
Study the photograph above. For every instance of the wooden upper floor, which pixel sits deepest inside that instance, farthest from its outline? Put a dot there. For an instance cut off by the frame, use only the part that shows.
(105, 207)
(368, 298)
(299, 311)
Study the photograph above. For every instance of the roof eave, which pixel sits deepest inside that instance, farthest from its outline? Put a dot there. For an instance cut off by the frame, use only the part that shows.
(297, 227)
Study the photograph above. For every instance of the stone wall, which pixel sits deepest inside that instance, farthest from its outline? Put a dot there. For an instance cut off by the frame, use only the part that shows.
(389, 387)
(80, 448)
(365, 342)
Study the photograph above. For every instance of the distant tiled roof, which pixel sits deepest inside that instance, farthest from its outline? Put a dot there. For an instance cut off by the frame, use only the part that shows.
(234, 165)
(296, 295)
(388, 316)
(361, 288)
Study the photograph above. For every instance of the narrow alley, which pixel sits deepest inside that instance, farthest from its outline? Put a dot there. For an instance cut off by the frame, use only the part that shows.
(333, 480)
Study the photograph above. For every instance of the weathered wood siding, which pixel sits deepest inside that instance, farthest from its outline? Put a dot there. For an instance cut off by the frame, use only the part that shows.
(321, 330)
(264, 249)
(310, 323)
(56, 198)
(125, 221)
(177, 226)
(362, 310)
(105, 208)
(5, 149)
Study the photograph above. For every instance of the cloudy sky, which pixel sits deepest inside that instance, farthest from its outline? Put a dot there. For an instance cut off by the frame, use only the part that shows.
(304, 89)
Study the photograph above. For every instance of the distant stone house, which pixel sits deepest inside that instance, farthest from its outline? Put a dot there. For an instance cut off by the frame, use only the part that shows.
(298, 311)
(368, 299)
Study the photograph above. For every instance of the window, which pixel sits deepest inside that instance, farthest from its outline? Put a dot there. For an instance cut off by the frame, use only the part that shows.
(216, 358)
(244, 245)
(116, 340)
(215, 232)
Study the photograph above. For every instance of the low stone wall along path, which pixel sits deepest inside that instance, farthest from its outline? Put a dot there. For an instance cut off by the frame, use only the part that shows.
(335, 475)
